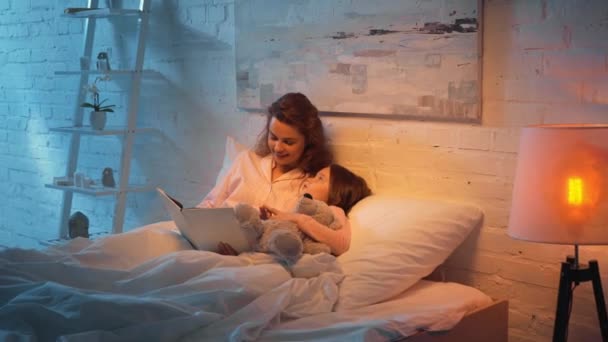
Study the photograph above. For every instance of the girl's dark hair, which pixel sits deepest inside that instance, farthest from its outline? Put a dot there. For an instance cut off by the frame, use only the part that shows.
(296, 110)
(345, 188)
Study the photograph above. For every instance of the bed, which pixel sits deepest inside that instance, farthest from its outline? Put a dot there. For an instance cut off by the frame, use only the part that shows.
(149, 285)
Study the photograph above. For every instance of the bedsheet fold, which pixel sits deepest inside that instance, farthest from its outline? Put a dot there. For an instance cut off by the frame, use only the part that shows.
(111, 291)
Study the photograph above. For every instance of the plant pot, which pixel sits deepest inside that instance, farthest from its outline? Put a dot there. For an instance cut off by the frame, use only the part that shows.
(98, 120)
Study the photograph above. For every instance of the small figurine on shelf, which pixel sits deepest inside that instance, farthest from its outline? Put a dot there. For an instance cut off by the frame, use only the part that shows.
(78, 178)
(107, 178)
(98, 114)
(103, 61)
(78, 225)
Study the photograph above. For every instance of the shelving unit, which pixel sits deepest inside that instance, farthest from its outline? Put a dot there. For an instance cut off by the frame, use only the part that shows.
(97, 13)
(98, 190)
(90, 14)
(97, 72)
(108, 130)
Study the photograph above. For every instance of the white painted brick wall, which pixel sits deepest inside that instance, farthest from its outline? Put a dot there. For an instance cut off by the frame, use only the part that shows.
(544, 61)
(35, 41)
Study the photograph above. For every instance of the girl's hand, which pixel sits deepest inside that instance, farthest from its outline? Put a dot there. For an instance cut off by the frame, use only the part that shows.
(276, 214)
(265, 213)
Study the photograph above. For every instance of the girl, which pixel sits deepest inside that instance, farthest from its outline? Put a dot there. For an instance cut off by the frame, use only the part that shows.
(338, 187)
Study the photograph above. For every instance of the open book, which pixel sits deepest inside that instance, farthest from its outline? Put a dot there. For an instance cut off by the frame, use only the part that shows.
(204, 228)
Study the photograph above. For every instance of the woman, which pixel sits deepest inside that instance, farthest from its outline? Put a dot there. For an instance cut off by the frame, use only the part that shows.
(291, 147)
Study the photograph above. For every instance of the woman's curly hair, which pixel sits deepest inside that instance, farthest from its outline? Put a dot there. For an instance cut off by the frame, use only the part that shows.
(296, 110)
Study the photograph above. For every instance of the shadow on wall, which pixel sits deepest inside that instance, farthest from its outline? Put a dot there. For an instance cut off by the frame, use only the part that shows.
(166, 25)
(460, 263)
(179, 99)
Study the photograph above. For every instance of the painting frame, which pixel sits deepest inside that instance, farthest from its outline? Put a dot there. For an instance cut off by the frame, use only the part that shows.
(272, 68)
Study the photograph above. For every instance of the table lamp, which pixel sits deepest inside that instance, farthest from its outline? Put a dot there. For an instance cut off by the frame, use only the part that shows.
(560, 196)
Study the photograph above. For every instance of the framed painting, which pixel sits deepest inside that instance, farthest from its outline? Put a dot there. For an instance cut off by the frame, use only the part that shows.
(399, 59)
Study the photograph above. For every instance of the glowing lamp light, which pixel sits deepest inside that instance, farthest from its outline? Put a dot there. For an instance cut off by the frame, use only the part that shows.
(558, 197)
(575, 191)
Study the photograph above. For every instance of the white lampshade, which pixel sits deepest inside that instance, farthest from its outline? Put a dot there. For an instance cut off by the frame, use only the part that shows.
(560, 193)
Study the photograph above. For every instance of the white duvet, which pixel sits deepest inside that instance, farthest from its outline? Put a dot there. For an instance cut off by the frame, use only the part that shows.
(149, 285)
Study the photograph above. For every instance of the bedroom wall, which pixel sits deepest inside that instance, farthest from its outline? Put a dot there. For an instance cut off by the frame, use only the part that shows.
(544, 62)
(190, 95)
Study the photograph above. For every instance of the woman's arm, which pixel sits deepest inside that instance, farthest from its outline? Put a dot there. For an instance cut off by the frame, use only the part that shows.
(221, 190)
(337, 240)
(211, 199)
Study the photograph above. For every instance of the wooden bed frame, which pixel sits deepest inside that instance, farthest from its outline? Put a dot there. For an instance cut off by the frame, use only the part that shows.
(489, 323)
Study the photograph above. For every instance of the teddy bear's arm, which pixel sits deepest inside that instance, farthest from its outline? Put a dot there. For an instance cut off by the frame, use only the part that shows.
(249, 218)
(312, 247)
(337, 240)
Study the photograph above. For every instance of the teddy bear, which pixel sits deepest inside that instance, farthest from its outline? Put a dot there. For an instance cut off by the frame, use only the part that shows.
(282, 238)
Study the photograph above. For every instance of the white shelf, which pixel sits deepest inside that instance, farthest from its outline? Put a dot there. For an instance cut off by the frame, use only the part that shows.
(78, 12)
(98, 72)
(61, 241)
(98, 190)
(109, 130)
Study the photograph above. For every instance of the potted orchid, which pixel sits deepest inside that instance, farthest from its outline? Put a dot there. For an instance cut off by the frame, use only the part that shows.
(98, 114)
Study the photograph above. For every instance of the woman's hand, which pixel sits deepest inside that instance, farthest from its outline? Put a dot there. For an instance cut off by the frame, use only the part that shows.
(225, 249)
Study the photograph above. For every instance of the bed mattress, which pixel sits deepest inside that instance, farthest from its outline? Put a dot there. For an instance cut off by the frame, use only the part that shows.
(426, 306)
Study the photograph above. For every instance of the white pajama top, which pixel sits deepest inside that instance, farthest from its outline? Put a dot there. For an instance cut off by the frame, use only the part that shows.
(249, 181)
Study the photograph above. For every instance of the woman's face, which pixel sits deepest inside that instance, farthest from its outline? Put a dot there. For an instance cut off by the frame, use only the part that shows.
(286, 144)
(318, 186)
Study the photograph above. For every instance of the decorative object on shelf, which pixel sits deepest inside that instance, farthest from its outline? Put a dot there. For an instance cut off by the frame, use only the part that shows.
(87, 182)
(78, 225)
(103, 62)
(78, 179)
(63, 181)
(98, 114)
(107, 178)
(559, 197)
(98, 120)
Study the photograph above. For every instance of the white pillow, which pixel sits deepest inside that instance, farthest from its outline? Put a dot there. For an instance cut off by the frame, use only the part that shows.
(397, 241)
(232, 149)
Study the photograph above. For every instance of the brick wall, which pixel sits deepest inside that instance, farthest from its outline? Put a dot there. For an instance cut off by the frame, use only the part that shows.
(544, 62)
(190, 95)
(541, 59)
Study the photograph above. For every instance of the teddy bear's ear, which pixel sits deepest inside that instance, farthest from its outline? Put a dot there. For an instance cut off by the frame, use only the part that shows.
(246, 213)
